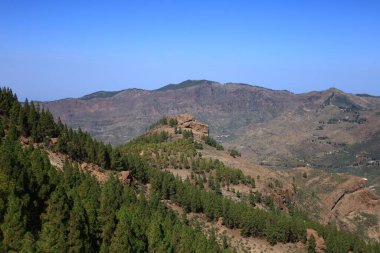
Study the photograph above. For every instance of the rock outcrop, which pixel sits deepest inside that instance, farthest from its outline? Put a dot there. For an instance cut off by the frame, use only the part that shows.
(188, 122)
(350, 186)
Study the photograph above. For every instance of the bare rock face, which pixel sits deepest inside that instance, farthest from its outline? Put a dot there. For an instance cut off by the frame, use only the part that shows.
(357, 205)
(24, 140)
(187, 121)
(124, 177)
(341, 200)
(349, 187)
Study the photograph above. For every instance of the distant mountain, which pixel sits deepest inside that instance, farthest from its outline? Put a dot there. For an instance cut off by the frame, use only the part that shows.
(186, 84)
(326, 129)
(119, 116)
(100, 94)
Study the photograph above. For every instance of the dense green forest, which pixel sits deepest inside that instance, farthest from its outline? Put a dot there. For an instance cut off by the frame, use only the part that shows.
(44, 209)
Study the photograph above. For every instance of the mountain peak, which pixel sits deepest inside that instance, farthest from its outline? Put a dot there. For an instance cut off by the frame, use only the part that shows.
(335, 90)
(100, 94)
(186, 84)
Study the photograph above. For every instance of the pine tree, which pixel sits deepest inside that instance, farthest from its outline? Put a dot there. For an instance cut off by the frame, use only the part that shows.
(28, 244)
(89, 193)
(47, 124)
(122, 238)
(105, 157)
(23, 119)
(14, 113)
(155, 235)
(12, 134)
(13, 227)
(109, 203)
(186, 242)
(78, 234)
(2, 133)
(6, 100)
(53, 235)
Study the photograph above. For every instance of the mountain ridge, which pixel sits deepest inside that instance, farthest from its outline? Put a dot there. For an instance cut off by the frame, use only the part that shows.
(194, 82)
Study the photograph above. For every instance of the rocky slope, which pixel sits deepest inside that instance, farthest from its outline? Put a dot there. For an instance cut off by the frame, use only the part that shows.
(339, 199)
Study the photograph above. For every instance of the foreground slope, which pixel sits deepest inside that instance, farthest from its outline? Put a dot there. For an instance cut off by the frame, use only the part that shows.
(63, 208)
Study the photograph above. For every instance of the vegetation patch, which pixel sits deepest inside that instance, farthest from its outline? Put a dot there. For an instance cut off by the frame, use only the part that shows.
(212, 142)
(101, 94)
(185, 84)
(161, 122)
(234, 153)
(370, 219)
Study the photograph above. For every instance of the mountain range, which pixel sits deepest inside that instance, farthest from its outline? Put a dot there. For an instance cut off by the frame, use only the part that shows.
(329, 129)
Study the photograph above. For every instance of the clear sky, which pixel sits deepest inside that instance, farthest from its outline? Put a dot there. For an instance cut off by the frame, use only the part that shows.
(58, 49)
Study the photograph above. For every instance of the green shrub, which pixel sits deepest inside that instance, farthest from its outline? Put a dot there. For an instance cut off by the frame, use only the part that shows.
(212, 142)
(173, 122)
(234, 153)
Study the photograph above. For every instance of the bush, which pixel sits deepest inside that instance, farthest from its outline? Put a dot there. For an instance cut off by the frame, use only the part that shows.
(161, 122)
(212, 142)
(187, 134)
(198, 145)
(173, 122)
(234, 153)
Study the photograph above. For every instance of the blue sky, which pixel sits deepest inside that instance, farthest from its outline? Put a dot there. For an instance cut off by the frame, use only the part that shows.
(58, 49)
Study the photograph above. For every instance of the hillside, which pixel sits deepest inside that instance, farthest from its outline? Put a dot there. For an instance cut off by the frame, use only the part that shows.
(330, 129)
(330, 198)
(164, 191)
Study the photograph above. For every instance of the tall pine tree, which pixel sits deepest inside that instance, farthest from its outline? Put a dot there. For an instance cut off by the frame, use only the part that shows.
(78, 232)
(13, 227)
(53, 235)
(110, 199)
(122, 239)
